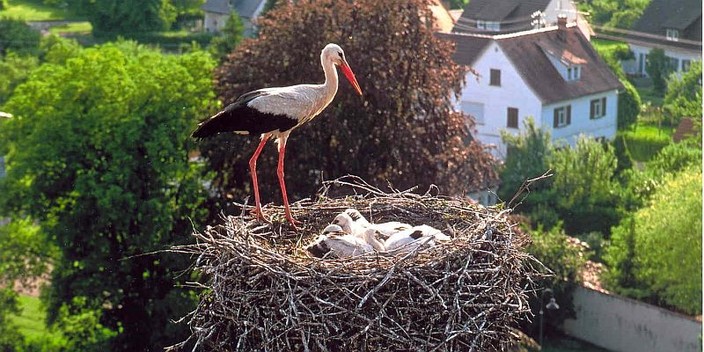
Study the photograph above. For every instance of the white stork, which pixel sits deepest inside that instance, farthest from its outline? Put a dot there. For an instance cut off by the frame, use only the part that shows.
(414, 237)
(336, 243)
(275, 112)
(352, 221)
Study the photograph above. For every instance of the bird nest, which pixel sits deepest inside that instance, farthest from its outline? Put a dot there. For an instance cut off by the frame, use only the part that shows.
(264, 292)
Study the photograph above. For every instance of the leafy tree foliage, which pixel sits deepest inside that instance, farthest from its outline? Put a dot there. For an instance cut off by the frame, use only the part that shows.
(16, 36)
(684, 95)
(566, 258)
(113, 18)
(658, 68)
(615, 13)
(14, 69)
(96, 154)
(527, 158)
(582, 191)
(657, 254)
(585, 186)
(402, 131)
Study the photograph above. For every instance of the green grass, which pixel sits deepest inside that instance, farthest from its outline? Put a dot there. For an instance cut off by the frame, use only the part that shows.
(602, 45)
(646, 140)
(31, 319)
(35, 10)
(73, 28)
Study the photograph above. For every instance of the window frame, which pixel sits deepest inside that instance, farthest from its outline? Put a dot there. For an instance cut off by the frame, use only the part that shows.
(495, 77)
(511, 117)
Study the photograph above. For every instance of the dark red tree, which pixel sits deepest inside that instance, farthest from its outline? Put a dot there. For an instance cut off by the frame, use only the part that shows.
(403, 131)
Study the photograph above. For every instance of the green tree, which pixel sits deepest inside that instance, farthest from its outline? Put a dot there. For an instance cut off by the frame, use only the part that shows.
(127, 18)
(657, 255)
(17, 36)
(402, 131)
(615, 13)
(527, 157)
(14, 69)
(658, 68)
(585, 187)
(566, 258)
(684, 95)
(101, 165)
(229, 37)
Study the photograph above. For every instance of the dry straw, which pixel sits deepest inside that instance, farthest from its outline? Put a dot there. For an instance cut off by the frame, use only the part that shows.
(263, 292)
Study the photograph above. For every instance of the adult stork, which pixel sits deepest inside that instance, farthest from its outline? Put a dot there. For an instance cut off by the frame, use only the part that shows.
(275, 112)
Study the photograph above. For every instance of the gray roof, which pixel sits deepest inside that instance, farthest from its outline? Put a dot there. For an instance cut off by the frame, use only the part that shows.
(516, 14)
(217, 6)
(683, 15)
(247, 8)
(527, 53)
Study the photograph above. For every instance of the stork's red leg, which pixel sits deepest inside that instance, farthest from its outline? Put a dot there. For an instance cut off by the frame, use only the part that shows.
(282, 183)
(253, 171)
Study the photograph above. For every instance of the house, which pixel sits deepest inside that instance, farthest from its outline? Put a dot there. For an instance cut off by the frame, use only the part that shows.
(552, 74)
(672, 25)
(508, 16)
(218, 11)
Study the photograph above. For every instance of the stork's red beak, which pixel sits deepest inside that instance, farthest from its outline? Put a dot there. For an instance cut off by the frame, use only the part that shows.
(350, 77)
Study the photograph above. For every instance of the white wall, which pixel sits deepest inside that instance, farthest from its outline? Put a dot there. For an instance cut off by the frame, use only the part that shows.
(567, 8)
(636, 66)
(513, 92)
(214, 22)
(604, 127)
(623, 325)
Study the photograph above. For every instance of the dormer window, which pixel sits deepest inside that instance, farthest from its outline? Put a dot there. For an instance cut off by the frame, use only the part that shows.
(672, 34)
(573, 73)
(488, 25)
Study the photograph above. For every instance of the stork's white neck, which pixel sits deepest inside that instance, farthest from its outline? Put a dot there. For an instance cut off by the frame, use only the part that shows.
(331, 79)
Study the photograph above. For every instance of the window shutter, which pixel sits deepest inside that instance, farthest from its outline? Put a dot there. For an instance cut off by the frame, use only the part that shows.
(555, 118)
(591, 109)
(568, 118)
(603, 106)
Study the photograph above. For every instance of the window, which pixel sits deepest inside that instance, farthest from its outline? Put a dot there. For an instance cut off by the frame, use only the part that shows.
(573, 73)
(488, 25)
(673, 63)
(562, 116)
(495, 77)
(512, 118)
(672, 34)
(597, 108)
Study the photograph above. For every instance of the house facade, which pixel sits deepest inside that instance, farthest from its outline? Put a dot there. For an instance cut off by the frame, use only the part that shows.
(672, 25)
(552, 75)
(218, 11)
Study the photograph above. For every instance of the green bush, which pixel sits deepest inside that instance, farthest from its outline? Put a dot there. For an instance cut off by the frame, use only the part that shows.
(656, 255)
(566, 258)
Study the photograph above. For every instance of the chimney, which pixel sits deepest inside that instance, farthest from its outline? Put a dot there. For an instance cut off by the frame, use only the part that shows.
(562, 27)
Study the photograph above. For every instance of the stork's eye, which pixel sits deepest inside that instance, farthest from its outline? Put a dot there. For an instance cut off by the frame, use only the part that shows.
(339, 53)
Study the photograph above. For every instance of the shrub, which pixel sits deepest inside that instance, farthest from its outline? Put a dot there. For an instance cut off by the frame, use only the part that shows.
(657, 254)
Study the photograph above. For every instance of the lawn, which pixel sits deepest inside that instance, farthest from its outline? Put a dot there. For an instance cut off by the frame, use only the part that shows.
(35, 10)
(72, 28)
(31, 320)
(646, 140)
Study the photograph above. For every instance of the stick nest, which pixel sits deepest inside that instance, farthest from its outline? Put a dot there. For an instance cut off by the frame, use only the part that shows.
(265, 293)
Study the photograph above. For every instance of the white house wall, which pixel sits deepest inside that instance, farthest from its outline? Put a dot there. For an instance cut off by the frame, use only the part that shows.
(513, 92)
(603, 127)
(637, 66)
(566, 8)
